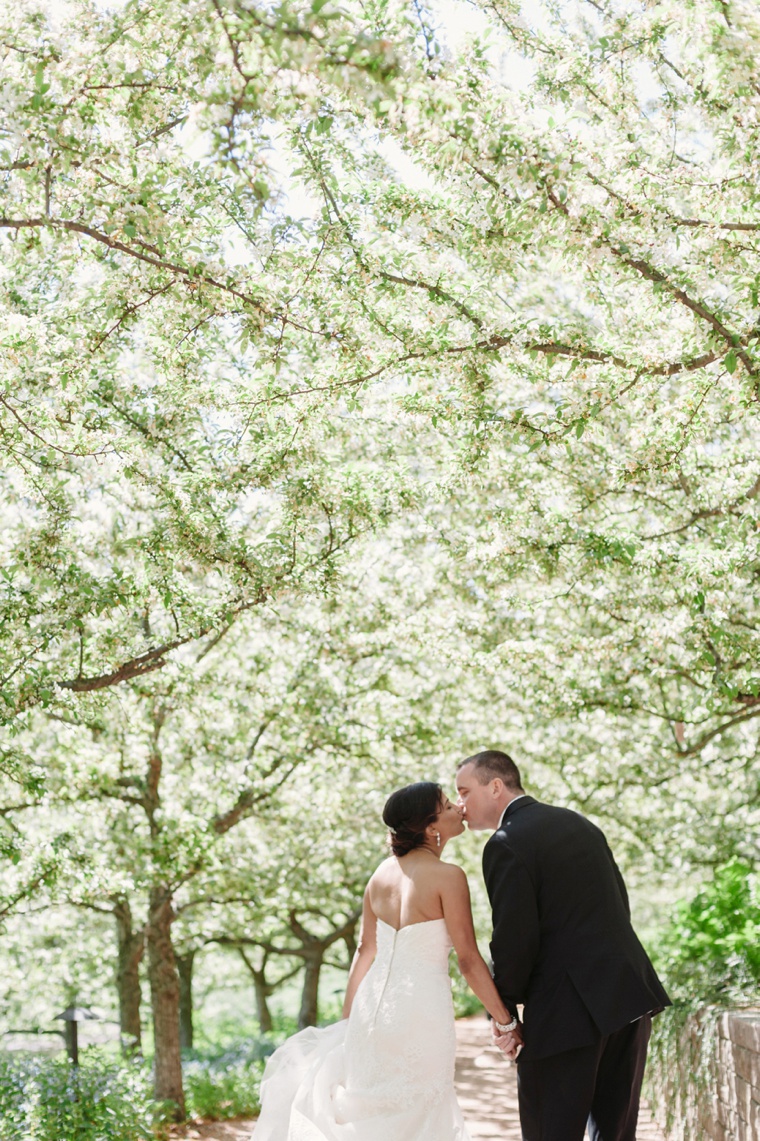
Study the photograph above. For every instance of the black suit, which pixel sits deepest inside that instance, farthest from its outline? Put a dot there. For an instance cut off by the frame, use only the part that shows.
(563, 946)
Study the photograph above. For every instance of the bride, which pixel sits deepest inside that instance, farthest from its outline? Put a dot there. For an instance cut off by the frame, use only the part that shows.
(386, 1072)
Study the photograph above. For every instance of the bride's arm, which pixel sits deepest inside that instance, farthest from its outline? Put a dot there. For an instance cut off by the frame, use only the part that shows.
(457, 911)
(365, 953)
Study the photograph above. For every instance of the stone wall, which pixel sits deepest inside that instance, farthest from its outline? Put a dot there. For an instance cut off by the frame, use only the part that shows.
(711, 1090)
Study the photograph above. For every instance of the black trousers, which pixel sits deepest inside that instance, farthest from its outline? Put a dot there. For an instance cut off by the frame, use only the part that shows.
(598, 1086)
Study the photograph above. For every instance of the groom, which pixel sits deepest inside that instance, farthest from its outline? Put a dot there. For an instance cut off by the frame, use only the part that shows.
(563, 947)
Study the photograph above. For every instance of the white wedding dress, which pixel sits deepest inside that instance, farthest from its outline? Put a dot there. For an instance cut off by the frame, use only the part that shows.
(387, 1072)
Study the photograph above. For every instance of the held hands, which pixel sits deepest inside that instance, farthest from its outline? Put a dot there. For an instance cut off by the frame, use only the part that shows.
(510, 1043)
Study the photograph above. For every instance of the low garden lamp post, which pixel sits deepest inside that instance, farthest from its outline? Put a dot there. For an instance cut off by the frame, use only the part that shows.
(72, 1016)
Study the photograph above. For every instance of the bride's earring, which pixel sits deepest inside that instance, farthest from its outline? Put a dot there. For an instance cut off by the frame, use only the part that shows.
(438, 839)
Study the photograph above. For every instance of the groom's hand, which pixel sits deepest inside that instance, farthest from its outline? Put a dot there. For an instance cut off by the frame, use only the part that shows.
(511, 1043)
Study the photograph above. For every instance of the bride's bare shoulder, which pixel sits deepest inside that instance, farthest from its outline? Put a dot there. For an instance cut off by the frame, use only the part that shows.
(384, 869)
(453, 872)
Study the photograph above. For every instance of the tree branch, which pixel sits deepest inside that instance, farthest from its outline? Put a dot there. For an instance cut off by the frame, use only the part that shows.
(135, 667)
(194, 276)
(706, 738)
(46, 443)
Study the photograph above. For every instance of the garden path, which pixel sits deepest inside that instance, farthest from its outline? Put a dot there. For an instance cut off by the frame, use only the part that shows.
(486, 1086)
(239, 1130)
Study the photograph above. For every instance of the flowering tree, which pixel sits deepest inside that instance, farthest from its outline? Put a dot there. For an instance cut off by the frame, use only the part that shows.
(569, 297)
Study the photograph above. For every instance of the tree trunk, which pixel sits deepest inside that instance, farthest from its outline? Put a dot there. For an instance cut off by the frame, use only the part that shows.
(310, 993)
(131, 945)
(164, 991)
(262, 990)
(185, 971)
(350, 941)
(263, 1013)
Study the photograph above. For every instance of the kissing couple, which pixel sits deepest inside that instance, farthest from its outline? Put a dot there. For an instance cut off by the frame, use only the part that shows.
(563, 949)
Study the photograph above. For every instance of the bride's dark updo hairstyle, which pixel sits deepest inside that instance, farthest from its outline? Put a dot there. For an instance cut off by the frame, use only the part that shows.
(408, 812)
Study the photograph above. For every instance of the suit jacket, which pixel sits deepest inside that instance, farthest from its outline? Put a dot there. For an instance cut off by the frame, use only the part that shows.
(563, 944)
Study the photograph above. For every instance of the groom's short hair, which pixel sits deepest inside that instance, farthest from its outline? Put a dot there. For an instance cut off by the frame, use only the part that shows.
(491, 764)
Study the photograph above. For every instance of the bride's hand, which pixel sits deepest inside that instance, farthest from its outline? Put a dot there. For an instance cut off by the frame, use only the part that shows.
(511, 1043)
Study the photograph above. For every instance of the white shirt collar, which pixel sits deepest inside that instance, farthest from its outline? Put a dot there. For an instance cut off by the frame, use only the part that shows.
(512, 801)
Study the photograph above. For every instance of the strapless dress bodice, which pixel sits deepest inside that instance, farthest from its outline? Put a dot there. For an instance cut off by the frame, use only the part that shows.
(418, 946)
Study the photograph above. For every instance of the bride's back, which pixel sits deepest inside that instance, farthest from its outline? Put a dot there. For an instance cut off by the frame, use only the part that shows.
(407, 889)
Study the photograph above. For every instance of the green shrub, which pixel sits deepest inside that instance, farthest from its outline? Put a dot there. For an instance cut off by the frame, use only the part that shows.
(43, 1099)
(711, 951)
(465, 1002)
(219, 1086)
